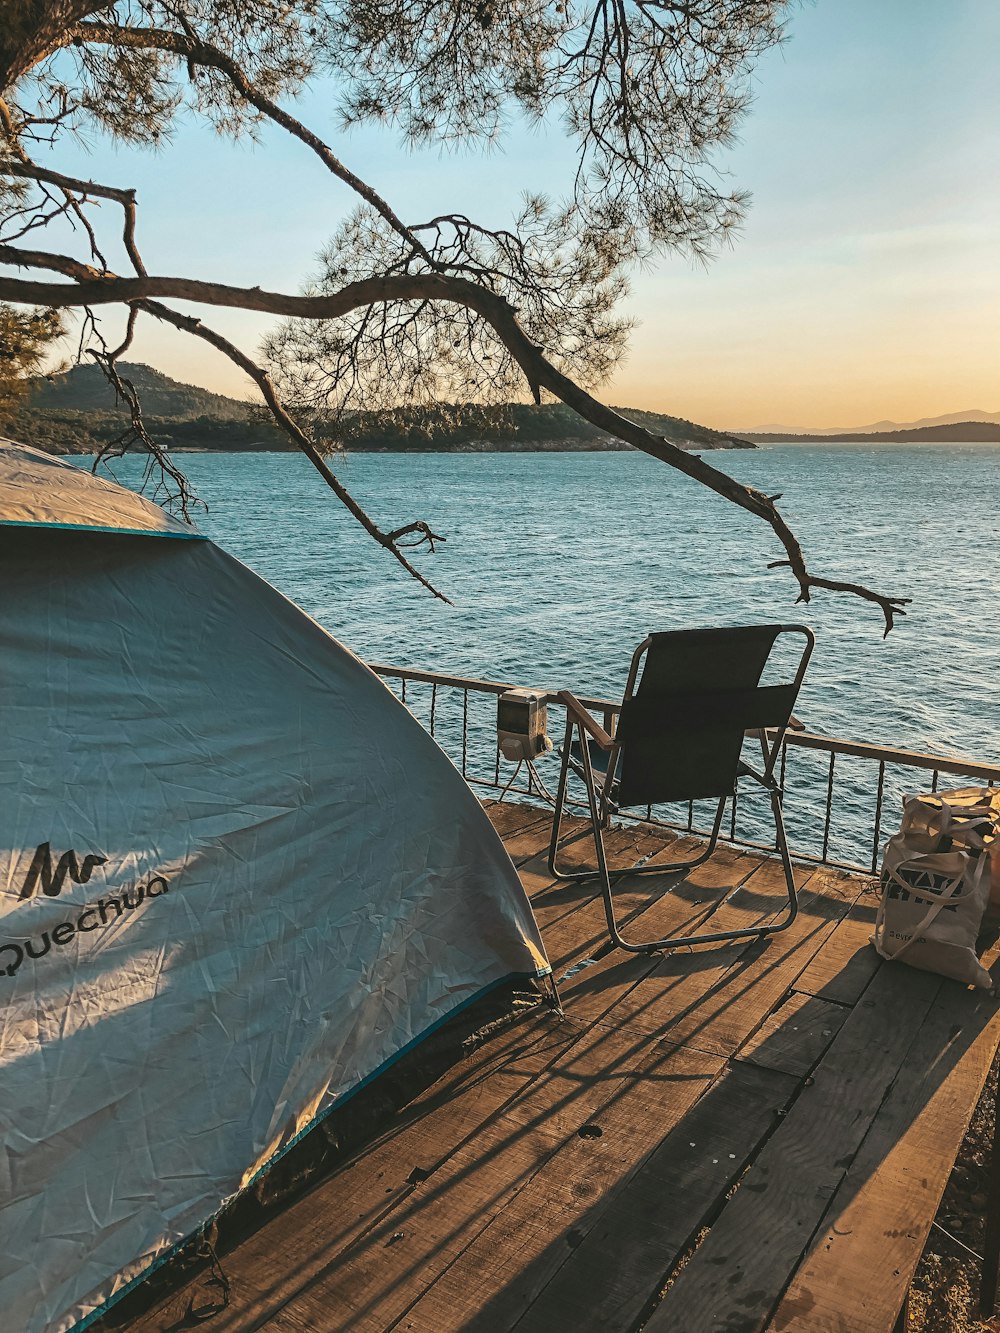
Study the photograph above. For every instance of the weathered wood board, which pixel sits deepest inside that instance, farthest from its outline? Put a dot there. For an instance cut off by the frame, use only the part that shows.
(711, 1138)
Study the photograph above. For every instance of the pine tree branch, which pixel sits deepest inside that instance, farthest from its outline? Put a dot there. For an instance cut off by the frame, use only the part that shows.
(200, 53)
(538, 370)
(85, 275)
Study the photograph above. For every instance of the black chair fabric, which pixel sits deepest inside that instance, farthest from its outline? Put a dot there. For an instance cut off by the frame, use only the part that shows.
(682, 731)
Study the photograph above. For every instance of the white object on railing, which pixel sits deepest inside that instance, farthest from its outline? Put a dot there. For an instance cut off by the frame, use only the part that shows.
(472, 744)
(521, 718)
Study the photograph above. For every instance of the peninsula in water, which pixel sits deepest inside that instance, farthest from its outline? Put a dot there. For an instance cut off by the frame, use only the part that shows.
(75, 413)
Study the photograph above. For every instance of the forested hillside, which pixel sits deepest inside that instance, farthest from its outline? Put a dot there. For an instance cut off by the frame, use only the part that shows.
(75, 412)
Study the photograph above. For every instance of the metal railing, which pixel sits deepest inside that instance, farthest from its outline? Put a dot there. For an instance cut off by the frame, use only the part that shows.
(837, 793)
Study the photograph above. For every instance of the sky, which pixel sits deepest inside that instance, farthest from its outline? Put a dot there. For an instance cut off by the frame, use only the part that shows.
(864, 285)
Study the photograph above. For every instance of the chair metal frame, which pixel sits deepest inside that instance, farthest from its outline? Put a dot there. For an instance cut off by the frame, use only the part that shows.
(601, 804)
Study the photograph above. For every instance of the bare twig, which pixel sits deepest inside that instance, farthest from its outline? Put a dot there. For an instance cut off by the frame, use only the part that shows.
(197, 52)
(86, 276)
(291, 428)
(538, 370)
(424, 531)
(125, 392)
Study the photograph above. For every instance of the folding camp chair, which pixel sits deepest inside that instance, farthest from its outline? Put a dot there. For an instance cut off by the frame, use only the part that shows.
(679, 738)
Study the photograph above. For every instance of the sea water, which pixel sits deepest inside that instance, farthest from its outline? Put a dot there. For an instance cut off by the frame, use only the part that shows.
(558, 564)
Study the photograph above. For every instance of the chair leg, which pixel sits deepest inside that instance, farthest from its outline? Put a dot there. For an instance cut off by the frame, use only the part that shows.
(673, 867)
(664, 867)
(560, 806)
(669, 868)
(786, 862)
(718, 936)
(603, 874)
(655, 946)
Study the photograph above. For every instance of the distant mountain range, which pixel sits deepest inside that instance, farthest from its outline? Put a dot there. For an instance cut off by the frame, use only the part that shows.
(75, 412)
(85, 389)
(970, 422)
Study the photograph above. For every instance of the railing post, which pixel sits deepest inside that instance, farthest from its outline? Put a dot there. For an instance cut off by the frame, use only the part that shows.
(465, 733)
(829, 807)
(878, 816)
(938, 768)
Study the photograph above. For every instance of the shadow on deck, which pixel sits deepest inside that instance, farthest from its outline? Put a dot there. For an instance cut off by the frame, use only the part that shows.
(736, 1137)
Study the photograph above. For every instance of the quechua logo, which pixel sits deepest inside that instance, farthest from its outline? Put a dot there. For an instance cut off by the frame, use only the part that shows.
(52, 877)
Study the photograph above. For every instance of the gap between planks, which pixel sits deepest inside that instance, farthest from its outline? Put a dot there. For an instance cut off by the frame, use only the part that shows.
(768, 1226)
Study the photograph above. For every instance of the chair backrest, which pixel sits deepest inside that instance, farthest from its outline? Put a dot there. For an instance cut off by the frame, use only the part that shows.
(681, 729)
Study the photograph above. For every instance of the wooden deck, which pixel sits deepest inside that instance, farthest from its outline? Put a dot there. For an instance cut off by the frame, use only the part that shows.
(735, 1138)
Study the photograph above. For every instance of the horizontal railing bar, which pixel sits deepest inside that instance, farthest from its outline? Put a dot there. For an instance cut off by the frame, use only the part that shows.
(883, 754)
(806, 740)
(483, 686)
(440, 678)
(805, 858)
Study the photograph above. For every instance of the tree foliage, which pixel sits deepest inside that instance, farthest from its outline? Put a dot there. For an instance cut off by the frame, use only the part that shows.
(411, 311)
(25, 341)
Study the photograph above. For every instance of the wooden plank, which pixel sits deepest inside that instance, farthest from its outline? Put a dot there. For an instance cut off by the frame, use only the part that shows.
(731, 1009)
(495, 1279)
(857, 1272)
(377, 1279)
(676, 993)
(624, 843)
(845, 965)
(291, 1247)
(583, 932)
(794, 1036)
(512, 821)
(770, 1221)
(556, 903)
(594, 991)
(648, 911)
(611, 1274)
(570, 914)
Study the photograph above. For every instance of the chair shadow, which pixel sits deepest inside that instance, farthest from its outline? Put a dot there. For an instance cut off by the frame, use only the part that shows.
(615, 1245)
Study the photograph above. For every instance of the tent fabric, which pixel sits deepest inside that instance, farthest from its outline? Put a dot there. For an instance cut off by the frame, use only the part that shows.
(237, 878)
(37, 490)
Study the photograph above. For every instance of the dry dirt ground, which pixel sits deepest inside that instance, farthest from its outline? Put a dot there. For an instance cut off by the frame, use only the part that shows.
(945, 1293)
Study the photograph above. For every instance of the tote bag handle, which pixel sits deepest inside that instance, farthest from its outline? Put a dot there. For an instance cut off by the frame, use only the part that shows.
(937, 901)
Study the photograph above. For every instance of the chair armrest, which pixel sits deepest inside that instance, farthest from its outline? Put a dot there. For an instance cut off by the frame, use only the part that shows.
(576, 710)
(795, 723)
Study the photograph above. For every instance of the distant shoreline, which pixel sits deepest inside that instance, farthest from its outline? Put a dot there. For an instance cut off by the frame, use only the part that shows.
(535, 447)
(959, 432)
(609, 446)
(75, 412)
(558, 446)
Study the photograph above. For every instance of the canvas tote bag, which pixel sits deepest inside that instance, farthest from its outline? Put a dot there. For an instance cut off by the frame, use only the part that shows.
(936, 883)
